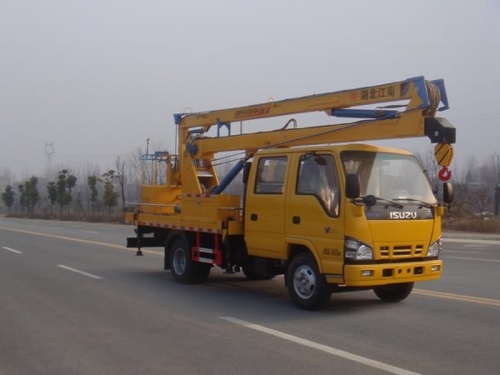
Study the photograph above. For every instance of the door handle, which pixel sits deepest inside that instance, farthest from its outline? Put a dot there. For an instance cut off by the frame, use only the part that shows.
(296, 219)
(254, 217)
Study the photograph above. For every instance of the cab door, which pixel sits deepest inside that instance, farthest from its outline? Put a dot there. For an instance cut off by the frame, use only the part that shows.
(314, 212)
(265, 207)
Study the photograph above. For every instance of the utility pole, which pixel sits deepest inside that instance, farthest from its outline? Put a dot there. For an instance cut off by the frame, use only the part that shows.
(49, 151)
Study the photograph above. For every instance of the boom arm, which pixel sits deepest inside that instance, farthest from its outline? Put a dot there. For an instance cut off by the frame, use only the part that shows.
(439, 130)
(417, 119)
(413, 89)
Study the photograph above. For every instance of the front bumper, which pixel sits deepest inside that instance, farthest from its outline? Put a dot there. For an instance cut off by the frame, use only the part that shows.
(365, 275)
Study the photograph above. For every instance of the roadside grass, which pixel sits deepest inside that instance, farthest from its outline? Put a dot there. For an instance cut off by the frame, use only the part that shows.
(479, 224)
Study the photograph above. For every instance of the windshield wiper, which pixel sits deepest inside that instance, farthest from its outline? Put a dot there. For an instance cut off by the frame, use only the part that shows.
(371, 200)
(425, 204)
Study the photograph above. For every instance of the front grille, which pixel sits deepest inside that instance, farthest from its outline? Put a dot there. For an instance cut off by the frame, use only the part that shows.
(401, 251)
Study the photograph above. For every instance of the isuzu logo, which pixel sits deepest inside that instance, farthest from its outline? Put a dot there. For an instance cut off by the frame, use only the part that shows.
(403, 215)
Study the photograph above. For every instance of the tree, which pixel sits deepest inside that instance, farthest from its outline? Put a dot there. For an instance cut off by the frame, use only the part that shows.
(138, 167)
(134, 175)
(481, 198)
(430, 165)
(460, 189)
(8, 197)
(109, 196)
(70, 183)
(52, 195)
(92, 183)
(121, 169)
(32, 194)
(65, 182)
(22, 197)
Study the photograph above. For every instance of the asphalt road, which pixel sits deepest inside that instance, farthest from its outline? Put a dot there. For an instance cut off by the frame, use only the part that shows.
(74, 300)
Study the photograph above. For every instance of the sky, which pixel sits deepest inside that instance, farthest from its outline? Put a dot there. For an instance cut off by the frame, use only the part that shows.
(83, 82)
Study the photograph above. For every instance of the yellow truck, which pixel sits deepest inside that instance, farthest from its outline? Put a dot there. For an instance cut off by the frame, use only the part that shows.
(329, 213)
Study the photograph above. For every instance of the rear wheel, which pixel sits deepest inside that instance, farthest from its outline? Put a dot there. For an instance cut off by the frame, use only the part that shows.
(203, 272)
(393, 292)
(184, 270)
(307, 287)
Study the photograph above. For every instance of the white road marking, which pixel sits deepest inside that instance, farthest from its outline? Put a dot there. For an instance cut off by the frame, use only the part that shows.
(14, 251)
(80, 272)
(323, 348)
(105, 244)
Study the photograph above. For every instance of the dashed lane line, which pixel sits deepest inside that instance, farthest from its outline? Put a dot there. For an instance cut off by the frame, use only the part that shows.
(92, 276)
(97, 243)
(12, 250)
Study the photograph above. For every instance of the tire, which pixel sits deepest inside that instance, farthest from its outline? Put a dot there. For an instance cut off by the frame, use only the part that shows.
(249, 273)
(203, 272)
(183, 269)
(393, 292)
(307, 288)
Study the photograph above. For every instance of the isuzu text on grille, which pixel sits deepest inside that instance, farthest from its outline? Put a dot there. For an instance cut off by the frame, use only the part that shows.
(403, 215)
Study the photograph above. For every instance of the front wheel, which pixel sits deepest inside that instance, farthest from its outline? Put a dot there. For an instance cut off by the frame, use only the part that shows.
(307, 287)
(393, 292)
(184, 270)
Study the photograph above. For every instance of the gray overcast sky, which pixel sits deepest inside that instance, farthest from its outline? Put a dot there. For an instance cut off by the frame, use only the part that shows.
(97, 78)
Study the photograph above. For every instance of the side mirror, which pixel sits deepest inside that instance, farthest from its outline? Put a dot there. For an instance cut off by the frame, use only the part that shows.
(448, 193)
(352, 186)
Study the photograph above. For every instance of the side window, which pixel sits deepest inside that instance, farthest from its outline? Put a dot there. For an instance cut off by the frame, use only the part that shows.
(271, 175)
(318, 176)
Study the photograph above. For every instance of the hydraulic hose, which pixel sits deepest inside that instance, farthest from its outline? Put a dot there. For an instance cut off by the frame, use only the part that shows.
(434, 98)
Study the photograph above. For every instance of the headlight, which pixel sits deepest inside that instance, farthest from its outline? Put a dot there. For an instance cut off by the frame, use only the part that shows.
(435, 248)
(356, 250)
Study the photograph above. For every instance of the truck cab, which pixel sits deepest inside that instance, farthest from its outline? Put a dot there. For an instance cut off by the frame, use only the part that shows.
(389, 233)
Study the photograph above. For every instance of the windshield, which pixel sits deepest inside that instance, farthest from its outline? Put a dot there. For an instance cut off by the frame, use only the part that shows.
(389, 176)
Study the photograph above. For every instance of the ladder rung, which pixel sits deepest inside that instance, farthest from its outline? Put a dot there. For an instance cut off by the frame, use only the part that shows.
(203, 173)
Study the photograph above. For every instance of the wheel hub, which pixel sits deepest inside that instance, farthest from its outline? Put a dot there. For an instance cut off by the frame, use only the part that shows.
(304, 281)
(179, 261)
